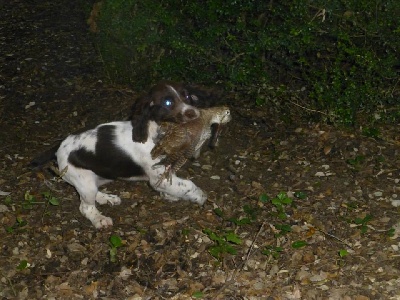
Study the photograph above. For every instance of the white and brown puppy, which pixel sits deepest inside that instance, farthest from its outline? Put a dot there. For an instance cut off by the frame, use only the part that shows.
(122, 150)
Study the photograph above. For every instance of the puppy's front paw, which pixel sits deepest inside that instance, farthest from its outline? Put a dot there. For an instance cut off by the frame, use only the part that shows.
(169, 197)
(201, 198)
(92, 213)
(103, 198)
(102, 222)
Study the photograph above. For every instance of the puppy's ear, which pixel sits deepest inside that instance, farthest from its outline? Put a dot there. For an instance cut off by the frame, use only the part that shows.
(140, 114)
(140, 124)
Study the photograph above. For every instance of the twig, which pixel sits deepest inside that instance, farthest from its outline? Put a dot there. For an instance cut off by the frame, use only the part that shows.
(51, 186)
(394, 87)
(309, 109)
(10, 283)
(240, 268)
(335, 237)
(252, 244)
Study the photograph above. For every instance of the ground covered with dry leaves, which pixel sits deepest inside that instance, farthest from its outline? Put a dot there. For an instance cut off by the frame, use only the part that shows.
(304, 211)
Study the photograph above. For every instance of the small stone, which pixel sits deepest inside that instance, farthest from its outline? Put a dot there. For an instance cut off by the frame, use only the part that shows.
(215, 177)
(378, 194)
(308, 257)
(76, 251)
(274, 270)
(3, 208)
(361, 297)
(256, 185)
(302, 275)
(258, 285)
(206, 167)
(319, 174)
(84, 261)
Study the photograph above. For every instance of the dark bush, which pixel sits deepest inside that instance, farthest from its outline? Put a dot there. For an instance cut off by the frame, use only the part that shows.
(335, 57)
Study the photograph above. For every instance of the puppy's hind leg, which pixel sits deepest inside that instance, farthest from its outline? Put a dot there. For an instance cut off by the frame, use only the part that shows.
(85, 183)
(89, 210)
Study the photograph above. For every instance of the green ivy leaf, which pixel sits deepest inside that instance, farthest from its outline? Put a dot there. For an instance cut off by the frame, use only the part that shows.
(242, 221)
(367, 218)
(283, 227)
(300, 195)
(233, 238)
(358, 221)
(286, 200)
(364, 229)
(391, 232)
(198, 295)
(219, 212)
(230, 249)
(212, 235)
(282, 215)
(299, 244)
(115, 241)
(21, 222)
(46, 194)
(264, 198)
(215, 251)
(22, 265)
(343, 253)
(54, 201)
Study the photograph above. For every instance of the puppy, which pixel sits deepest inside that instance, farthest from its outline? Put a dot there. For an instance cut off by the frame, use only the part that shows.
(98, 156)
(123, 150)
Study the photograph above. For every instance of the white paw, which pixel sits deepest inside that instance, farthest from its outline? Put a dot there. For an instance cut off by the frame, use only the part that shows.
(94, 216)
(102, 222)
(103, 198)
(169, 197)
(201, 198)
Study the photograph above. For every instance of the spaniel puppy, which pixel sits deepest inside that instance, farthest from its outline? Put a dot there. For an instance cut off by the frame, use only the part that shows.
(107, 152)
(123, 150)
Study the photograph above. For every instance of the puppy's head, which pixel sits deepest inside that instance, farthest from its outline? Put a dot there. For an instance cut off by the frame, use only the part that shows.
(167, 101)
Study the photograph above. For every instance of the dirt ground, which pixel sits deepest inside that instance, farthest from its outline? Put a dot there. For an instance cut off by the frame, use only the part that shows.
(305, 211)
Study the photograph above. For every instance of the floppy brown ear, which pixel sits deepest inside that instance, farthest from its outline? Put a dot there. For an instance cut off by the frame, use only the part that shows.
(140, 124)
(140, 119)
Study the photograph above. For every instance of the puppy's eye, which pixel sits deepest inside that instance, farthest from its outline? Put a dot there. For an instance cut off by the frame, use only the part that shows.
(168, 102)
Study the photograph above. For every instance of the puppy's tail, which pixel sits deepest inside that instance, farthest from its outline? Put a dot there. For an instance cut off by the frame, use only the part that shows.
(44, 157)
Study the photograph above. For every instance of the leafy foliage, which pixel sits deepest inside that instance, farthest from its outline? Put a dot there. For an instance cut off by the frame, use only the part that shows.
(32, 199)
(344, 55)
(19, 223)
(274, 251)
(363, 223)
(23, 265)
(115, 243)
(223, 242)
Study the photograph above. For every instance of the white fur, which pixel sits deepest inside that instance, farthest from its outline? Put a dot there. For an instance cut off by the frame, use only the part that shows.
(87, 182)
